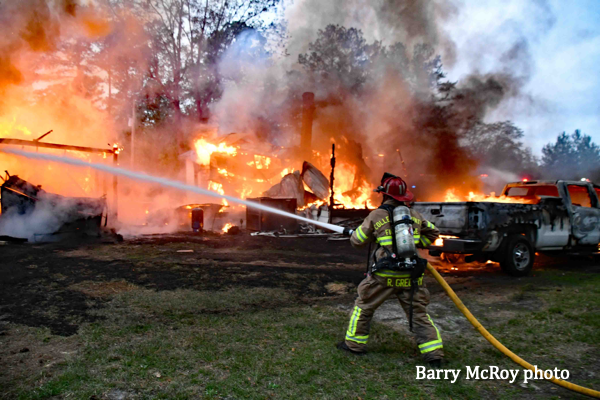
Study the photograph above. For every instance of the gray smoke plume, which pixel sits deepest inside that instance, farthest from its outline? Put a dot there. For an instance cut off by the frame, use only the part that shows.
(50, 215)
(393, 109)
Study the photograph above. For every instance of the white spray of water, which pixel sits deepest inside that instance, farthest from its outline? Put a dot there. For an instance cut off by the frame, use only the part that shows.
(166, 182)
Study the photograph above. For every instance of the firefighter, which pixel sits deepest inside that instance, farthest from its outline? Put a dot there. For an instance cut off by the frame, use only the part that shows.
(384, 282)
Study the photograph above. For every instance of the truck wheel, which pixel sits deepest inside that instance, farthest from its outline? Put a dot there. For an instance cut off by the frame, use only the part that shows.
(519, 256)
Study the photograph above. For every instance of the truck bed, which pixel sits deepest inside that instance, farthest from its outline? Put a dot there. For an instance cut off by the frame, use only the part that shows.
(474, 220)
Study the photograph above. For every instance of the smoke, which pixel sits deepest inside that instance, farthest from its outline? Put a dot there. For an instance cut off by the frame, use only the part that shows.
(48, 216)
(406, 21)
(393, 110)
(57, 58)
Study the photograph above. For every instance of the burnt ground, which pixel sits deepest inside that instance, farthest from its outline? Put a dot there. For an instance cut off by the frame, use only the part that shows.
(41, 284)
(62, 287)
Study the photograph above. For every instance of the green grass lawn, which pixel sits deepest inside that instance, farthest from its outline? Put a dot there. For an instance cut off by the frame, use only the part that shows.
(262, 343)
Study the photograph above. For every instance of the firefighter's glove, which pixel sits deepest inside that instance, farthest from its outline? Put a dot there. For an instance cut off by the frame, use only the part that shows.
(347, 232)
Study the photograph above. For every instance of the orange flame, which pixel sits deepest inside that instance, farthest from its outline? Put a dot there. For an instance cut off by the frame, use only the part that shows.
(217, 187)
(204, 149)
(317, 204)
(226, 227)
(286, 171)
(440, 239)
(452, 197)
(345, 191)
(262, 162)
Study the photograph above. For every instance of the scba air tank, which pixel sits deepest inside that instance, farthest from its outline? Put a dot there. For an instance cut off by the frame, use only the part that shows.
(405, 243)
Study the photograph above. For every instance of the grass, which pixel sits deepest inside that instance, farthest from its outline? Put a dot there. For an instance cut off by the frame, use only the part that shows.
(258, 343)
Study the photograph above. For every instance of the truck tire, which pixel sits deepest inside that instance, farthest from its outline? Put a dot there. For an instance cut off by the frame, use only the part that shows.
(518, 257)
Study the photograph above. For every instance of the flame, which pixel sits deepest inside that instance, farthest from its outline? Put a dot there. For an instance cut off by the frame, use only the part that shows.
(345, 191)
(262, 162)
(286, 171)
(204, 149)
(249, 174)
(226, 227)
(245, 193)
(440, 239)
(9, 128)
(217, 187)
(452, 197)
(224, 172)
(317, 204)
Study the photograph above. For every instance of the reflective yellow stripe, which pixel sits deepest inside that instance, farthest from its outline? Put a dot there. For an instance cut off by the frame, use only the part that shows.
(430, 225)
(436, 329)
(430, 343)
(351, 332)
(360, 234)
(353, 321)
(386, 273)
(431, 348)
(417, 238)
(384, 240)
(416, 220)
(358, 339)
(434, 344)
(426, 242)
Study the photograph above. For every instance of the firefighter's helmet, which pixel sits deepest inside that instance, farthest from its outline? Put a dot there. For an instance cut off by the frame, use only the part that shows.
(395, 187)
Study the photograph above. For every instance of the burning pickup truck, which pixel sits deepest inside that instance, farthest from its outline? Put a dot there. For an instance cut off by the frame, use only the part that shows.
(549, 216)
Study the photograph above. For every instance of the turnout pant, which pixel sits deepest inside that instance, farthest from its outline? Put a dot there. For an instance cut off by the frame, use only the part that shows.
(372, 292)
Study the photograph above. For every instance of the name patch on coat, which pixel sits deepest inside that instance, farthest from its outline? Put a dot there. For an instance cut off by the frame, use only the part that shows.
(401, 282)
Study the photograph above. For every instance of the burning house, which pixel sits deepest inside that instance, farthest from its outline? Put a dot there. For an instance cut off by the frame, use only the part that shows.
(245, 167)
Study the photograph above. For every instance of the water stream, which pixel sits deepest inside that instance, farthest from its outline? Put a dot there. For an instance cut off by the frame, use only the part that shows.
(164, 182)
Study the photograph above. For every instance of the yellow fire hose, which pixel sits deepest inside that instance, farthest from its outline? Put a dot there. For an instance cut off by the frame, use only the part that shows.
(500, 346)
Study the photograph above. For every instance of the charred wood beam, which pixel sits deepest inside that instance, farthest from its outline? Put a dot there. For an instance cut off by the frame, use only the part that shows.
(331, 179)
(35, 143)
(43, 136)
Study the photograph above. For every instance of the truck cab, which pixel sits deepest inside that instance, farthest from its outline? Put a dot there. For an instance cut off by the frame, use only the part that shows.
(581, 201)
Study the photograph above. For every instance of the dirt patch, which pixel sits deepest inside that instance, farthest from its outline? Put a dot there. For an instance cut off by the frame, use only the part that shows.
(339, 288)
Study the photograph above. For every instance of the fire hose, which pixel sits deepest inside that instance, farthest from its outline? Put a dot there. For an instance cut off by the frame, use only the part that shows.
(459, 304)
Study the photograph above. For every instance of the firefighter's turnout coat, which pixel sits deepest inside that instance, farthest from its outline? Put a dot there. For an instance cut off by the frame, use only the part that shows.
(382, 284)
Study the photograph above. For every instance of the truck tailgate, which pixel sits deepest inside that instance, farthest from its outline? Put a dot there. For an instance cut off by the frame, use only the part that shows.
(449, 218)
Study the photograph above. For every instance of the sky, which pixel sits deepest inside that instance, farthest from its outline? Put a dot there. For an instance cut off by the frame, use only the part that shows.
(559, 63)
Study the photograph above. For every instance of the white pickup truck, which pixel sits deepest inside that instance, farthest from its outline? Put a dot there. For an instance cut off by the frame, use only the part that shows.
(547, 216)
